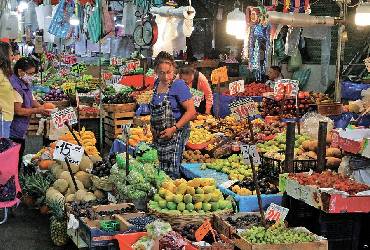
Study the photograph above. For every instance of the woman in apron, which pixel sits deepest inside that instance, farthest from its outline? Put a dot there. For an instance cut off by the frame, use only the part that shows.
(196, 80)
(172, 108)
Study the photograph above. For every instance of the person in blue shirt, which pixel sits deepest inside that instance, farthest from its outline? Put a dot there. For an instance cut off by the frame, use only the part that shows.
(171, 110)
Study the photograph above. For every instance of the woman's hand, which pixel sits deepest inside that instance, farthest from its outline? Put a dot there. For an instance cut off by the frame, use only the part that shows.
(168, 133)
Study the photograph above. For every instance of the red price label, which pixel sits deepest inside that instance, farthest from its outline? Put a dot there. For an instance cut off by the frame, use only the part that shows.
(66, 115)
(244, 108)
(236, 87)
(107, 75)
(286, 87)
(275, 212)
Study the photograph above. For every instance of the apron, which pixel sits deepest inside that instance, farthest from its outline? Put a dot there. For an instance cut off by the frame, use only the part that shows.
(169, 151)
(202, 106)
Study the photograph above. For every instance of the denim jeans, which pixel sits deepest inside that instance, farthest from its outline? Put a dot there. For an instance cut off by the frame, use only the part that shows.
(5, 128)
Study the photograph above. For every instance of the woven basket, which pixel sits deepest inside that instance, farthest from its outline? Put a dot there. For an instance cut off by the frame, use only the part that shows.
(330, 108)
(102, 183)
(183, 219)
(126, 107)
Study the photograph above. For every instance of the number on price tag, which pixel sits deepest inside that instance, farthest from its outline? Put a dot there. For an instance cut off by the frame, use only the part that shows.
(245, 153)
(107, 75)
(126, 132)
(67, 151)
(275, 212)
(250, 151)
(197, 96)
(219, 75)
(203, 230)
(116, 61)
(236, 87)
(286, 87)
(58, 118)
(243, 108)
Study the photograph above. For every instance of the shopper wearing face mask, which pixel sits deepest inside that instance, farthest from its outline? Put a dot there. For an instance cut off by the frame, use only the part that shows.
(25, 104)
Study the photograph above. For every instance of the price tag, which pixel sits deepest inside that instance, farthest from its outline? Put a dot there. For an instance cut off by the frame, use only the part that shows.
(250, 151)
(197, 96)
(107, 75)
(111, 198)
(236, 87)
(116, 61)
(219, 75)
(228, 183)
(58, 118)
(64, 72)
(203, 230)
(129, 67)
(69, 59)
(78, 68)
(126, 132)
(243, 108)
(286, 87)
(275, 212)
(67, 151)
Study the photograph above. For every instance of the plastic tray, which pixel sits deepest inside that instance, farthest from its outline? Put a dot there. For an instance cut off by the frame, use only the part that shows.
(192, 170)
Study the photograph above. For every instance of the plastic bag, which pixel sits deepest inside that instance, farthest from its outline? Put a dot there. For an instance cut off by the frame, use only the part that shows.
(302, 75)
(158, 228)
(311, 124)
(295, 61)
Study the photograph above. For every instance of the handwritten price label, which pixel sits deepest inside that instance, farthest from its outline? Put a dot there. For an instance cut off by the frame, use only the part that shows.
(67, 151)
(243, 108)
(197, 96)
(286, 87)
(236, 87)
(107, 75)
(69, 59)
(58, 118)
(219, 75)
(275, 212)
(203, 230)
(129, 67)
(250, 151)
(116, 61)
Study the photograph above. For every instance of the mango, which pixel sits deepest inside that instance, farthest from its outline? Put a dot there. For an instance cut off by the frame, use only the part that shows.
(199, 191)
(198, 206)
(214, 206)
(178, 198)
(162, 204)
(198, 198)
(188, 198)
(181, 189)
(190, 190)
(190, 207)
(181, 206)
(206, 207)
(171, 205)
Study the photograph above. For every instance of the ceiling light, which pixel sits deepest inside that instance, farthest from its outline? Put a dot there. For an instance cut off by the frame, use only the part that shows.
(362, 17)
(236, 24)
(22, 6)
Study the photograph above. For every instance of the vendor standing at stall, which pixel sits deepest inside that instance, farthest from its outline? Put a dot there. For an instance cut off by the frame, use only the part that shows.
(171, 110)
(24, 103)
(196, 80)
(273, 75)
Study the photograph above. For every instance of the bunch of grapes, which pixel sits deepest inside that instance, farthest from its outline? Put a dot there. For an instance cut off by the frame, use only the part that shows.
(276, 234)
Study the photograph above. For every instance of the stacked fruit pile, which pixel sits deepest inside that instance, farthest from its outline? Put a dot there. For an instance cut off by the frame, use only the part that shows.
(55, 95)
(86, 138)
(111, 96)
(196, 156)
(247, 187)
(276, 234)
(233, 166)
(200, 136)
(253, 89)
(199, 195)
(144, 97)
(140, 134)
(329, 179)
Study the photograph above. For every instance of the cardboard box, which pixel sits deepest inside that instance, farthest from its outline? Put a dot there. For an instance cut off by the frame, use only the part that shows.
(316, 245)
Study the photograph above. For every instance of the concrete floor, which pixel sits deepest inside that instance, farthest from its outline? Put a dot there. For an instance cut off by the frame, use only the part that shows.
(28, 229)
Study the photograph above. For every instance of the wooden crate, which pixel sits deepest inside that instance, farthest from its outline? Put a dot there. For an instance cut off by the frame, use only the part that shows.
(113, 122)
(33, 126)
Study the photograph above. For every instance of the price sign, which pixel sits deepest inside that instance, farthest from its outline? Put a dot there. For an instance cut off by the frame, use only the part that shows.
(243, 108)
(236, 87)
(126, 132)
(58, 118)
(116, 61)
(69, 59)
(286, 87)
(250, 150)
(197, 96)
(276, 213)
(78, 68)
(64, 72)
(107, 75)
(129, 67)
(203, 230)
(67, 151)
(219, 75)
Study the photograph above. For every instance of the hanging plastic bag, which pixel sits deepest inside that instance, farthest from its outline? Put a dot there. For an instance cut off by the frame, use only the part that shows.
(295, 61)
(108, 24)
(129, 18)
(302, 75)
(94, 24)
(59, 25)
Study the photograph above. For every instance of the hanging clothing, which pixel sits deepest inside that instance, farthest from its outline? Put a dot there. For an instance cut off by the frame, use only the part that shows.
(163, 117)
(20, 124)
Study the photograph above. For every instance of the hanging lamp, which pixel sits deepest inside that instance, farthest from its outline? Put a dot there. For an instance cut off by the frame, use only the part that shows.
(236, 23)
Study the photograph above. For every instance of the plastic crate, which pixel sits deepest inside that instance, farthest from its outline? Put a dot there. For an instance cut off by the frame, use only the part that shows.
(298, 165)
(300, 214)
(192, 170)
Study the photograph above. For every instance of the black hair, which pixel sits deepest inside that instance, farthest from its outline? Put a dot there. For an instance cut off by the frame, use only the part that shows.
(24, 64)
(187, 69)
(277, 68)
(164, 57)
(5, 63)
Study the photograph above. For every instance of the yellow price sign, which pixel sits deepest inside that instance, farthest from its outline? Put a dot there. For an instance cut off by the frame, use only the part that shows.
(219, 75)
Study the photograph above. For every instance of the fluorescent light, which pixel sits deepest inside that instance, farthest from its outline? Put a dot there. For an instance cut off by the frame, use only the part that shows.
(74, 21)
(22, 6)
(236, 24)
(362, 17)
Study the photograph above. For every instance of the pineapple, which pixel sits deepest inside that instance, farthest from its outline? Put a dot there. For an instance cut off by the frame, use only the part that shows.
(58, 223)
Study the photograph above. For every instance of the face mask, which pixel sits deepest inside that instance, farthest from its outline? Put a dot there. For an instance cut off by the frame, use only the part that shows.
(27, 78)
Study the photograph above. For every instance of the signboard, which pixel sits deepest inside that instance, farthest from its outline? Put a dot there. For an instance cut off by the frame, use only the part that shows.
(243, 108)
(58, 118)
(276, 213)
(129, 67)
(286, 87)
(197, 96)
(236, 87)
(116, 61)
(68, 151)
(219, 75)
(250, 150)
(78, 68)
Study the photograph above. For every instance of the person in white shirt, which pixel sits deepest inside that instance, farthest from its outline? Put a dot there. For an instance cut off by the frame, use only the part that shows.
(273, 74)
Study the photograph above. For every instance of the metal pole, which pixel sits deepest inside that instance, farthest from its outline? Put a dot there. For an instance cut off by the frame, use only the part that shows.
(289, 151)
(338, 86)
(321, 147)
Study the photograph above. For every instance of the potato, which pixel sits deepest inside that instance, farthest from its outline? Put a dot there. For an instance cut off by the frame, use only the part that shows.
(312, 146)
(311, 155)
(333, 152)
(333, 162)
(306, 145)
